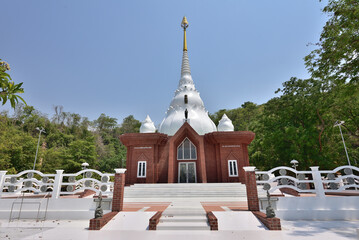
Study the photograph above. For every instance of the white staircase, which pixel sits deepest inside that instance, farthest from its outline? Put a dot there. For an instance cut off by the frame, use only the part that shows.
(185, 211)
(188, 192)
(184, 215)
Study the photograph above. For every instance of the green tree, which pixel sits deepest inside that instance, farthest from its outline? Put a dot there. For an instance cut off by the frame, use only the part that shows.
(17, 148)
(130, 125)
(55, 158)
(80, 151)
(334, 64)
(111, 153)
(336, 59)
(8, 89)
(242, 118)
(105, 122)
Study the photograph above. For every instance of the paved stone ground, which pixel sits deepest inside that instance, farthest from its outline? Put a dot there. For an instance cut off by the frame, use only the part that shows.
(133, 223)
(321, 229)
(52, 229)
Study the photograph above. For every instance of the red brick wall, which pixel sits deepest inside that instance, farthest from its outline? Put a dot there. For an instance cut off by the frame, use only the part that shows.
(228, 146)
(211, 162)
(98, 223)
(213, 152)
(142, 155)
(162, 163)
(245, 163)
(212, 220)
(270, 223)
(154, 220)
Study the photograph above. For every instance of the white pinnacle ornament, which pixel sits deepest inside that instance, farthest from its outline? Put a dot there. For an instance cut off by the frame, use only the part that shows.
(147, 126)
(225, 124)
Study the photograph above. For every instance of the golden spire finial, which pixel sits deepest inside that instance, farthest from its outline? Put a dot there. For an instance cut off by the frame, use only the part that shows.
(184, 25)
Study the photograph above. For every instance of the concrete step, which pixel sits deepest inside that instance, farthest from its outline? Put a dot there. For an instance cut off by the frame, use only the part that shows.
(183, 219)
(183, 226)
(170, 213)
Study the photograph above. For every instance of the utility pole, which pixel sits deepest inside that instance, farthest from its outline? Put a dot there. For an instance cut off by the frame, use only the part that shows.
(338, 124)
(38, 142)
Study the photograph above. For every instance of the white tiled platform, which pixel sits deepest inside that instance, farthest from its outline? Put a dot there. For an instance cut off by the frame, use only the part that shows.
(336, 230)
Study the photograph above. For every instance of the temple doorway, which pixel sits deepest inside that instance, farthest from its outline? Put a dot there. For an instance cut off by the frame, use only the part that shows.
(187, 172)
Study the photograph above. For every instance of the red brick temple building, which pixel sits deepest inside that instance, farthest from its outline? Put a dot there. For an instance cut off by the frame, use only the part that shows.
(187, 147)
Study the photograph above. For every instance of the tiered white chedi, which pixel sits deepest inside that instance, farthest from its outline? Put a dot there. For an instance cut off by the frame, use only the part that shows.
(147, 126)
(225, 124)
(186, 97)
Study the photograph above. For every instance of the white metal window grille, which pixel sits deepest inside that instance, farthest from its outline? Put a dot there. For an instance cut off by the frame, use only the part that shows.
(232, 168)
(186, 150)
(141, 169)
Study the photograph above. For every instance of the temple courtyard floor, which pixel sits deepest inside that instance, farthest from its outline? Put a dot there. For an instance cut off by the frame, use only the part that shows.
(133, 225)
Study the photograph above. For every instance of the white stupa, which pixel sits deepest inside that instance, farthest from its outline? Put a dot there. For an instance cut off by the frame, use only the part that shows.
(147, 126)
(186, 98)
(225, 124)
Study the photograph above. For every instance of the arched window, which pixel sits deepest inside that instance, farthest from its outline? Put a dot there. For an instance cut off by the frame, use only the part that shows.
(186, 150)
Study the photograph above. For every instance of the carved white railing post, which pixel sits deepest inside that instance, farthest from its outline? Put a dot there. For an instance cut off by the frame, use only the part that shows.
(318, 183)
(57, 184)
(2, 180)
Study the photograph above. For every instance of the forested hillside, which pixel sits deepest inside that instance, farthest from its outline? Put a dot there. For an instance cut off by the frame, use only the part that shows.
(69, 140)
(300, 125)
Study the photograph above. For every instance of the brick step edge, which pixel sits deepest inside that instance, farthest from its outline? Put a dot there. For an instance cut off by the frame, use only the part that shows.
(270, 223)
(154, 220)
(98, 223)
(212, 220)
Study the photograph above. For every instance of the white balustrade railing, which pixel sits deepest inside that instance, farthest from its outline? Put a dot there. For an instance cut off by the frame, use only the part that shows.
(33, 181)
(314, 181)
(78, 182)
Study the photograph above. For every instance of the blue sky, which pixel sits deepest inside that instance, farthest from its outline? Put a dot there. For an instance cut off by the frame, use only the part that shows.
(124, 57)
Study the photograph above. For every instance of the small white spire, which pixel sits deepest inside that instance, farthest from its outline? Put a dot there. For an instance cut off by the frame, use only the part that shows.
(225, 124)
(147, 126)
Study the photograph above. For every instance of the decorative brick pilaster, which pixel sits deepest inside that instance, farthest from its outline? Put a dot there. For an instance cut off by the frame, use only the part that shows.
(270, 223)
(98, 223)
(212, 220)
(118, 190)
(251, 186)
(154, 220)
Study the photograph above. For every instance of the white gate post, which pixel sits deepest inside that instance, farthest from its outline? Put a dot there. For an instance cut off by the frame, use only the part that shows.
(57, 184)
(318, 183)
(2, 181)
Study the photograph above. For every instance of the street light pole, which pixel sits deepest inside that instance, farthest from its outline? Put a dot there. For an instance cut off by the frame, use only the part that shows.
(338, 124)
(295, 164)
(38, 142)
